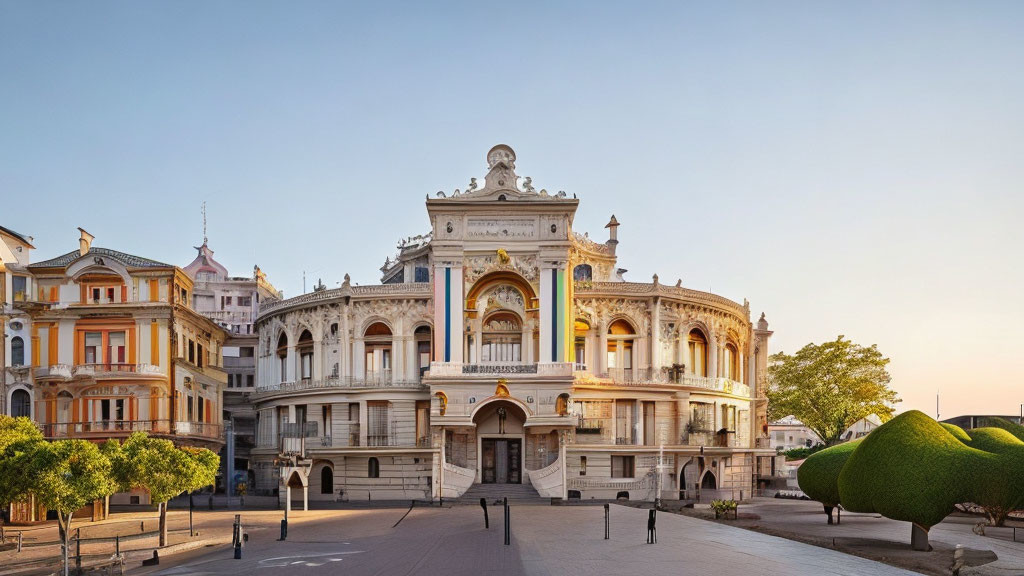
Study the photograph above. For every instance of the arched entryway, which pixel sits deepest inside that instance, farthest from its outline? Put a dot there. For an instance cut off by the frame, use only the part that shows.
(500, 442)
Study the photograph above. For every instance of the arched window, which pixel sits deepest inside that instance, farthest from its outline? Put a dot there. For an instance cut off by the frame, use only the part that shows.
(64, 400)
(305, 349)
(620, 350)
(502, 338)
(17, 351)
(377, 342)
(698, 353)
(282, 355)
(581, 329)
(373, 468)
(731, 364)
(21, 404)
(583, 273)
(326, 480)
(423, 338)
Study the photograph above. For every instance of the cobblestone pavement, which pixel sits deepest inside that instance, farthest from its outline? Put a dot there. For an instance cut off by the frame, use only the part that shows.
(546, 540)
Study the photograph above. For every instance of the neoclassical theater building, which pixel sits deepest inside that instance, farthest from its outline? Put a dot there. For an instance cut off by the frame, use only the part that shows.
(504, 347)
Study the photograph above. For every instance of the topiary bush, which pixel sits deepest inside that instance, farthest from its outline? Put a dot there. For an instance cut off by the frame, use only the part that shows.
(1000, 490)
(913, 469)
(818, 476)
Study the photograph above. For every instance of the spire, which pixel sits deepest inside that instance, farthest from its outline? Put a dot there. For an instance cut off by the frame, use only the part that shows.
(204, 223)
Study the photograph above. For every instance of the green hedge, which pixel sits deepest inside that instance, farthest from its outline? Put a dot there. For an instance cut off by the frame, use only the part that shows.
(913, 469)
(818, 476)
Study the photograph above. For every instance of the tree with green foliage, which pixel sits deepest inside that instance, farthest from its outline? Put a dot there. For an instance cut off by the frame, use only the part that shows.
(913, 469)
(65, 476)
(1000, 490)
(18, 439)
(157, 466)
(818, 476)
(830, 386)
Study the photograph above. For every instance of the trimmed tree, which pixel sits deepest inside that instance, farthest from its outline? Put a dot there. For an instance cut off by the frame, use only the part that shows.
(18, 439)
(818, 476)
(913, 469)
(165, 471)
(65, 476)
(830, 386)
(999, 491)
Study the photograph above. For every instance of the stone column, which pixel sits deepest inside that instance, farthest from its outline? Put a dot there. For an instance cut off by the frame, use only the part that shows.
(290, 370)
(656, 336)
(318, 358)
(601, 360)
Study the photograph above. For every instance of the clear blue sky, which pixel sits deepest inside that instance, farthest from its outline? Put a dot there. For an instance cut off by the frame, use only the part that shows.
(851, 168)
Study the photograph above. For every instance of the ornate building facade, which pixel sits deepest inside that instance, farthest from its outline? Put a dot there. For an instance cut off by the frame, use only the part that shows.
(504, 347)
(117, 348)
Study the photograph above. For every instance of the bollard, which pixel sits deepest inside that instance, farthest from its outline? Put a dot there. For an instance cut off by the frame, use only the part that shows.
(487, 522)
(284, 529)
(3, 537)
(234, 529)
(607, 524)
(237, 537)
(191, 505)
(652, 530)
(142, 526)
(19, 541)
(507, 542)
(117, 544)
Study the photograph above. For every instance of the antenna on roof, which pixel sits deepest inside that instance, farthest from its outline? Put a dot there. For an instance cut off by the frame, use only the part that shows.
(204, 222)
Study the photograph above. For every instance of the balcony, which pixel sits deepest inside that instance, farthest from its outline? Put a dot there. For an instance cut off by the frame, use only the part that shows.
(107, 370)
(336, 383)
(113, 428)
(655, 376)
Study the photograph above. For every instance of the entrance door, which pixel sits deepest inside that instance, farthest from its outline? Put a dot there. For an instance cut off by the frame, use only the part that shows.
(501, 461)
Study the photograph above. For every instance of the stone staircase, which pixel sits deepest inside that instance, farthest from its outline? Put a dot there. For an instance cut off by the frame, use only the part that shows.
(516, 494)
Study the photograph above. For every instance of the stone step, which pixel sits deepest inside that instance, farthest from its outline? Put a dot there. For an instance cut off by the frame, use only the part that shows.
(492, 493)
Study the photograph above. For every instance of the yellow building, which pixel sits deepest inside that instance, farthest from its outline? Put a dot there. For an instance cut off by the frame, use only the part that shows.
(116, 348)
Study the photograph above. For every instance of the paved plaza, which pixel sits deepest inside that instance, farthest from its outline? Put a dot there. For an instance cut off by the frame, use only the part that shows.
(546, 540)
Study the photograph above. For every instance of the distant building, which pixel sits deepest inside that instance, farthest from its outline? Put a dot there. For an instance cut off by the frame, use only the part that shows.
(968, 422)
(789, 433)
(16, 288)
(233, 303)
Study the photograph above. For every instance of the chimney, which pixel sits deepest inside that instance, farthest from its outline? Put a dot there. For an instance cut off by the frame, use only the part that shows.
(613, 233)
(84, 242)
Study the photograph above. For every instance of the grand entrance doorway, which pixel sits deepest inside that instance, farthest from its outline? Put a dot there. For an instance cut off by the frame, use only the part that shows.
(501, 461)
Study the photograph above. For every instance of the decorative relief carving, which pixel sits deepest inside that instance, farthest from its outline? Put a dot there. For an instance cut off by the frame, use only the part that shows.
(503, 228)
(477, 266)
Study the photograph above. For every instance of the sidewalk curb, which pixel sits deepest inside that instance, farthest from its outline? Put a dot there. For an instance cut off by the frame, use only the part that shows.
(175, 548)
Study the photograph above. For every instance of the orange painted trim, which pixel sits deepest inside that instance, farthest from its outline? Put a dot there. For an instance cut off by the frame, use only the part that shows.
(82, 300)
(35, 344)
(154, 343)
(154, 290)
(132, 345)
(54, 345)
(75, 412)
(124, 293)
(53, 294)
